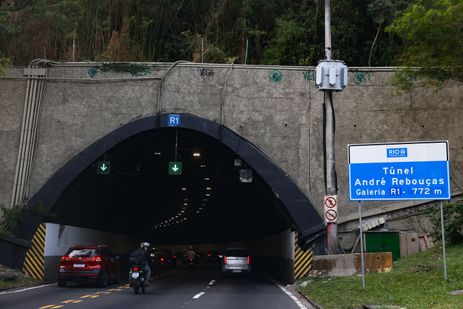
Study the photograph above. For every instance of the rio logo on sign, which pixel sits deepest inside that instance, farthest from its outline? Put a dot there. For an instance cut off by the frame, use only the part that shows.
(396, 152)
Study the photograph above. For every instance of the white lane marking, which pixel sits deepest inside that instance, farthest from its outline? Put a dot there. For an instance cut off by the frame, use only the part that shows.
(296, 300)
(212, 282)
(198, 295)
(27, 289)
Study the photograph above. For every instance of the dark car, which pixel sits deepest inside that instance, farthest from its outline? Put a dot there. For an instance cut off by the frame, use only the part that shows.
(166, 258)
(87, 264)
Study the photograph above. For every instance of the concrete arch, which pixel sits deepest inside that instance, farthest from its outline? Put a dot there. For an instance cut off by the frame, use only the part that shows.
(305, 219)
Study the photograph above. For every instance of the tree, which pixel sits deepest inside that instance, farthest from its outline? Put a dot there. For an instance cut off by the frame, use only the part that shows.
(431, 32)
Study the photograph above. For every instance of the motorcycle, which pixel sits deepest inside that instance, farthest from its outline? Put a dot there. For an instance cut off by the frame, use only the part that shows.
(137, 279)
(191, 263)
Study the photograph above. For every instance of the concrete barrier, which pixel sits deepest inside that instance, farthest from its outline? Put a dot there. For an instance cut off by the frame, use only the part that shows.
(350, 264)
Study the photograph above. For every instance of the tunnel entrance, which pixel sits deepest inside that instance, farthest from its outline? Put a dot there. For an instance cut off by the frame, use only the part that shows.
(187, 183)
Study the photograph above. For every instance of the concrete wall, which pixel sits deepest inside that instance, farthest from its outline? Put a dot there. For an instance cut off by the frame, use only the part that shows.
(276, 108)
(12, 93)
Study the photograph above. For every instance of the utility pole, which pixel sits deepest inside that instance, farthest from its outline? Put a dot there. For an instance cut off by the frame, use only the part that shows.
(331, 75)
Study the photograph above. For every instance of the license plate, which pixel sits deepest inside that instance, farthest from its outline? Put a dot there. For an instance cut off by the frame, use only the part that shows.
(135, 275)
(79, 265)
(236, 270)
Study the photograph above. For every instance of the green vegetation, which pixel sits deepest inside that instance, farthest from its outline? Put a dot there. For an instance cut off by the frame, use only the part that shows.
(9, 219)
(5, 63)
(277, 31)
(453, 221)
(416, 282)
(431, 32)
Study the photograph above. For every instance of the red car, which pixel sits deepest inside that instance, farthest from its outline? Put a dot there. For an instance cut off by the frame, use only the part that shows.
(89, 263)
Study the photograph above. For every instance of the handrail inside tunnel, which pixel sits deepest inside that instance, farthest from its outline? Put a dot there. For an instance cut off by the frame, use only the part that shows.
(298, 207)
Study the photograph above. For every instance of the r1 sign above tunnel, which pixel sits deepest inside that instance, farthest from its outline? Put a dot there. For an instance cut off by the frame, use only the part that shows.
(405, 171)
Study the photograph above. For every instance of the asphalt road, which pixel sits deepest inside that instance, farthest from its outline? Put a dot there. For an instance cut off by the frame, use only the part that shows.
(178, 288)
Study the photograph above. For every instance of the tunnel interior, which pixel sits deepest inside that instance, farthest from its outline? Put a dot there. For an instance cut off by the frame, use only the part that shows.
(206, 203)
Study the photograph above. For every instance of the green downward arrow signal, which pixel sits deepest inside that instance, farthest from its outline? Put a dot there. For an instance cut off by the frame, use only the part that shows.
(103, 167)
(175, 168)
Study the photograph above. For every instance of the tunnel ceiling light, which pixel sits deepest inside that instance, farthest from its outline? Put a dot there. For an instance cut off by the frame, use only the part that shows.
(185, 199)
(203, 165)
(205, 199)
(207, 194)
(208, 188)
(196, 154)
(158, 153)
(185, 204)
(197, 211)
(207, 178)
(200, 208)
(183, 189)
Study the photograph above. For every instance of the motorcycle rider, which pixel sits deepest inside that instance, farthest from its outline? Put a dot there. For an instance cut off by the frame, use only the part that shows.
(140, 258)
(191, 254)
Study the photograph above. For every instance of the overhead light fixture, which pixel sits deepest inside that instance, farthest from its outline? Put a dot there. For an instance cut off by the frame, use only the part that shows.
(208, 188)
(207, 178)
(207, 194)
(203, 165)
(158, 153)
(183, 189)
(200, 208)
(205, 199)
(186, 204)
(196, 154)
(245, 175)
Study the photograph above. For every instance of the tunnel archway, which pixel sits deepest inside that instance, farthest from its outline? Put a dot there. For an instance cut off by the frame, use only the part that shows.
(271, 203)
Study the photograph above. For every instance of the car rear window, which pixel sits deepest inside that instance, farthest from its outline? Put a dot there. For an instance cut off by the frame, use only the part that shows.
(236, 252)
(81, 252)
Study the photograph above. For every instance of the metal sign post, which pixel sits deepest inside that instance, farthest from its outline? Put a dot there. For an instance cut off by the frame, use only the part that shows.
(400, 171)
(443, 238)
(361, 245)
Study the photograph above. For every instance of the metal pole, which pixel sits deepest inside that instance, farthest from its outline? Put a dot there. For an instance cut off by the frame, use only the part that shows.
(246, 53)
(443, 238)
(327, 30)
(330, 169)
(176, 143)
(202, 49)
(361, 245)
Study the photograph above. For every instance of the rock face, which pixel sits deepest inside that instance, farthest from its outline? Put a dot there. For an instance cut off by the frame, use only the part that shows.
(8, 274)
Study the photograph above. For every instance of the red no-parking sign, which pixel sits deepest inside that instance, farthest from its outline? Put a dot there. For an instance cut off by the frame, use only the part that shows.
(331, 208)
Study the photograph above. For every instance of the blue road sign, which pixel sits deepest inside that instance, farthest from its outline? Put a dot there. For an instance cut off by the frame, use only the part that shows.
(418, 171)
(173, 120)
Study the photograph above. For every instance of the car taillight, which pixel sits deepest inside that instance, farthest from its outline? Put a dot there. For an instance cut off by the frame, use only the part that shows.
(224, 260)
(162, 259)
(135, 269)
(249, 260)
(97, 258)
(64, 258)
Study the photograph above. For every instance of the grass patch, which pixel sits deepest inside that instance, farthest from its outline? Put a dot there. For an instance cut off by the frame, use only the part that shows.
(20, 281)
(415, 282)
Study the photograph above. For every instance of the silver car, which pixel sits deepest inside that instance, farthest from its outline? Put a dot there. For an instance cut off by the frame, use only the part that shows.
(236, 260)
